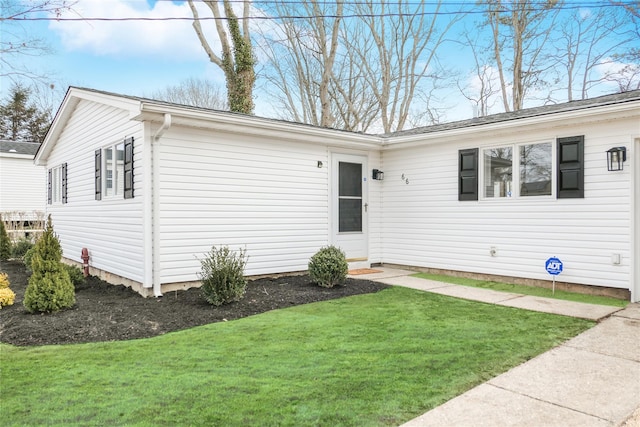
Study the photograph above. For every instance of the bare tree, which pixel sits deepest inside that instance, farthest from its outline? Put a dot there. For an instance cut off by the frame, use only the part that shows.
(520, 30)
(236, 60)
(301, 54)
(196, 92)
(406, 37)
(354, 74)
(17, 43)
(589, 41)
(482, 85)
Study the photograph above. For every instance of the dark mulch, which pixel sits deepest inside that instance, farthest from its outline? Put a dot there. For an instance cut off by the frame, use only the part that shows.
(104, 312)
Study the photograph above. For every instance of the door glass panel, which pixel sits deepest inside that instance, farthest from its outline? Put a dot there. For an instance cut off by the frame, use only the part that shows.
(350, 176)
(350, 215)
(349, 197)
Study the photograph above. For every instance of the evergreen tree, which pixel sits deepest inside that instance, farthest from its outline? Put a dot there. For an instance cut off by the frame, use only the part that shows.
(5, 243)
(20, 119)
(49, 288)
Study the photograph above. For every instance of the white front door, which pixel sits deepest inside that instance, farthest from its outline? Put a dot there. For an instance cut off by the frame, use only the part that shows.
(349, 207)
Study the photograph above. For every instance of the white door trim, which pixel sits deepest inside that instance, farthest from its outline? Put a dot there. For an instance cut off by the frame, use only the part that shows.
(355, 245)
(635, 209)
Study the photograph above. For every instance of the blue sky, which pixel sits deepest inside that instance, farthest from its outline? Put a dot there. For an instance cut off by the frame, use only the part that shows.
(139, 57)
(125, 57)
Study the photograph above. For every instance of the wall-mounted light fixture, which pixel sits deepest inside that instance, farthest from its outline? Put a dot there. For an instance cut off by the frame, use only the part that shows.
(616, 156)
(378, 175)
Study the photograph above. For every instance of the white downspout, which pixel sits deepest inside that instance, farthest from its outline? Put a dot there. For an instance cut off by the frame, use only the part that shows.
(166, 124)
(155, 155)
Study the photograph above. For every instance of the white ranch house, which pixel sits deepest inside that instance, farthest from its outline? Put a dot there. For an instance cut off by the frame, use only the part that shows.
(148, 187)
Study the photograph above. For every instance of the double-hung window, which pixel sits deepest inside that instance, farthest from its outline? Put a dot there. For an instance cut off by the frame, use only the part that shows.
(523, 170)
(114, 171)
(57, 184)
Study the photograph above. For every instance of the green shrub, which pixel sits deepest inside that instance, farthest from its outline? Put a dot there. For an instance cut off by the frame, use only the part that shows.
(49, 288)
(27, 258)
(328, 267)
(75, 274)
(7, 296)
(5, 243)
(20, 248)
(222, 276)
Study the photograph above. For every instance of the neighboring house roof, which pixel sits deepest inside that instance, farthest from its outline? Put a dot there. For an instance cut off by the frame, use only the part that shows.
(19, 147)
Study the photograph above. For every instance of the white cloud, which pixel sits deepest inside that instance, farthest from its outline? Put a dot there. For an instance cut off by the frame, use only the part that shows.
(168, 40)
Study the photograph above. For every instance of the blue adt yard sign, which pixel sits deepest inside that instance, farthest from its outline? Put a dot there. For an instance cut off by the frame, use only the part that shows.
(553, 266)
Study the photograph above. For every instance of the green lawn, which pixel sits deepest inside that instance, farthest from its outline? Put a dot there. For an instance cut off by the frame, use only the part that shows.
(368, 360)
(525, 290)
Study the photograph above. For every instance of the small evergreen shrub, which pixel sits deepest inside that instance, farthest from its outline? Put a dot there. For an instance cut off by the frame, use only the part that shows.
(49, 288)
(20, 248)
(5, 243)
(222, 275)
(75, 274)
(7, 296)
(27, 258)
(328, 267)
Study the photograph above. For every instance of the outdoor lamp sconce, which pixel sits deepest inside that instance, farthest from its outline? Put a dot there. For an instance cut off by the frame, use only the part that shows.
(378, 175)
(616, 156)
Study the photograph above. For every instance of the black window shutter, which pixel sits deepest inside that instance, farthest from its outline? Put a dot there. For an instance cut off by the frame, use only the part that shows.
(128, 168)
(570, 162)
(468, 174)
(64, 182)
(49, 193)
(98, 175)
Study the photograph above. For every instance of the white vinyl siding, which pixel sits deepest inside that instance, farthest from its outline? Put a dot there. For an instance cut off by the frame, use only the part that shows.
(425, 225)
(245, 192)
(112, 228)
(23, 186)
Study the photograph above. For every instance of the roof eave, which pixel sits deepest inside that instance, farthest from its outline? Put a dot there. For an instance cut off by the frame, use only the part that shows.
(250, 125)
(71, 99)
(617, 111)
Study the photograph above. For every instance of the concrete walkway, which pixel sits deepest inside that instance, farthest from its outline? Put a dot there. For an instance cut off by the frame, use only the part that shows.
(590, 380)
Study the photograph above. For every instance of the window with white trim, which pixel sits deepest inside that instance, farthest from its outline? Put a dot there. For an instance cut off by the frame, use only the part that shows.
(57, 184)
(114, 171)
(523, 170)
(517, 170)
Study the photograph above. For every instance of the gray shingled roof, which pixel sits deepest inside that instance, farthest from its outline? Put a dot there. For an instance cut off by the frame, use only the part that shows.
(19, 147)
(600, 101)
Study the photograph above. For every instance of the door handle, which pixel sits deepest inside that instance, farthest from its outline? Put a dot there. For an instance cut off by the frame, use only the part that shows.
(366, 207)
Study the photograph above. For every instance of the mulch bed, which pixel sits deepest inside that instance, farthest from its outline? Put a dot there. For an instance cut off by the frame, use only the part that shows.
(105, 312)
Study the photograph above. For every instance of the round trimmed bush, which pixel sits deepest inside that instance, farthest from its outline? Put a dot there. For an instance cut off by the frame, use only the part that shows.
(222, 276)
(328, 267)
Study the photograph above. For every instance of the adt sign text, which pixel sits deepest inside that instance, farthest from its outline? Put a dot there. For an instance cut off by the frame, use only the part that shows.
(553, 266)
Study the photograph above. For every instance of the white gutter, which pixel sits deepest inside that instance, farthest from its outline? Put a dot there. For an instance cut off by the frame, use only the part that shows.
(155, 204)
(617, 111)
(251, 125)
